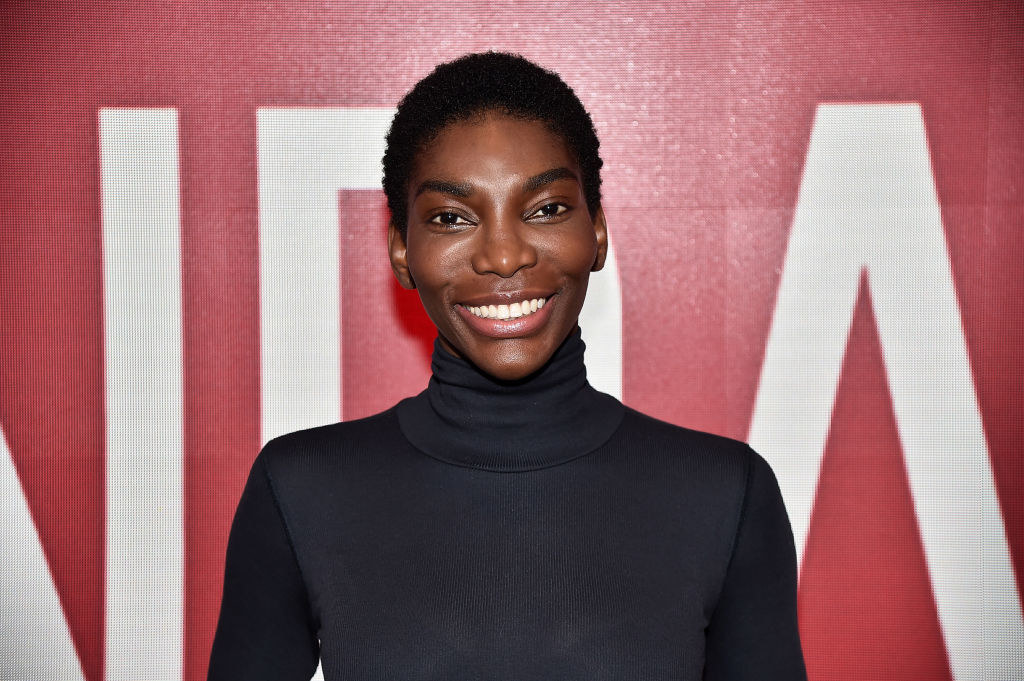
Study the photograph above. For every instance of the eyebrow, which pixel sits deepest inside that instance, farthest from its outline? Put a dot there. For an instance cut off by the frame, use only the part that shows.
(547, 177)
(445, 187)
(463, 190)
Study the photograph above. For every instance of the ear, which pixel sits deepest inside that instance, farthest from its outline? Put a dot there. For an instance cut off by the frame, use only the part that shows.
(398, 252)
(601, 232)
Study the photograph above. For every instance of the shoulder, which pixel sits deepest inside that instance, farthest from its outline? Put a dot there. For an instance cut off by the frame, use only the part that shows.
(648, 433)
(710, 466)
(329, 437)
(316, 451)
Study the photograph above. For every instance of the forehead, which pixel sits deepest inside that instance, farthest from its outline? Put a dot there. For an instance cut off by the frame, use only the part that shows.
(492, 144)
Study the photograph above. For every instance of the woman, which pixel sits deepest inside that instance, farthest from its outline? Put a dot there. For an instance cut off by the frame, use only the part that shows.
(510, 522)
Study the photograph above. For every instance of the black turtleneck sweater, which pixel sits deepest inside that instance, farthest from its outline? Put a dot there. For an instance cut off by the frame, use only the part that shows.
(514, 531)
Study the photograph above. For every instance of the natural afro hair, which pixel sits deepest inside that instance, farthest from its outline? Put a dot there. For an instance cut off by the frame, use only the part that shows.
(477, 84)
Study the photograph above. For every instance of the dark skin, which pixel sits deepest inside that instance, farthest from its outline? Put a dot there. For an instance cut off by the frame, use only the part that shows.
(497, 216)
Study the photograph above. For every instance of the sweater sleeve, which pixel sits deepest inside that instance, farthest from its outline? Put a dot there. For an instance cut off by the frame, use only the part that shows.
(753, 632)
(266, 629)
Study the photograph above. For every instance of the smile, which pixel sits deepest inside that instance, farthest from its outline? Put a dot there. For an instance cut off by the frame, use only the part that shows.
(525, 317)
(513, 311)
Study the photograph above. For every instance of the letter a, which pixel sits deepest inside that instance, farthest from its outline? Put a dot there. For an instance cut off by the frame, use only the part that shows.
(868, 203)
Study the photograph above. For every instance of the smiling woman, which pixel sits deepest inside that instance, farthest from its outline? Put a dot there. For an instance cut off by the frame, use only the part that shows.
(509, 522)
(498, 219)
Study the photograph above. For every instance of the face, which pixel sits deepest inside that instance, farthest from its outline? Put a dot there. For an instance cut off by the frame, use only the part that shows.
(499, 243)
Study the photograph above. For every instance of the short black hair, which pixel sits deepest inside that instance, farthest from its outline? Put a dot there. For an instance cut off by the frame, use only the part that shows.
(476, 84)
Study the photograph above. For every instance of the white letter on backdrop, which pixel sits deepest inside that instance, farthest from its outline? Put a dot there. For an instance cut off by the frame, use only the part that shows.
(868, 202)
(305, 157)
(601, 324)
(142, 341)
(33, 630)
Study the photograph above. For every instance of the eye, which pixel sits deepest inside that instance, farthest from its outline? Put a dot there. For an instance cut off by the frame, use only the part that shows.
(448, 218)
(549, 210)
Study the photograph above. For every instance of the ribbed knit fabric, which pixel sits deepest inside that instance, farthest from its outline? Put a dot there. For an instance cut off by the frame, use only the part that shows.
(470, 419)
(509, 531)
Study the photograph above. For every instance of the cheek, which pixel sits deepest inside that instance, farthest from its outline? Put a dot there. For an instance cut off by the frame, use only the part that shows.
(575, 257)
(433, 270)
(427, 263)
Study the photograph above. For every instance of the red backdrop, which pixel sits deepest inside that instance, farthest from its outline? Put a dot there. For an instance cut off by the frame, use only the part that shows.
(705, 114)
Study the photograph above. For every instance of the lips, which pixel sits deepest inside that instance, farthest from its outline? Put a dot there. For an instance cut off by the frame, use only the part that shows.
(506, 316)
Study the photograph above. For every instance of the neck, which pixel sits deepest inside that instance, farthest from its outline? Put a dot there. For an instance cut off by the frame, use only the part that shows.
(468, 418)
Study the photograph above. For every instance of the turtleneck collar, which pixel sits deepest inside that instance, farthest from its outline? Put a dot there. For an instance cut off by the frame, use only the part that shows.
(468, 418)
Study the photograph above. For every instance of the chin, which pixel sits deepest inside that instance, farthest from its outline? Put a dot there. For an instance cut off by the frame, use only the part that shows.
(512, 359)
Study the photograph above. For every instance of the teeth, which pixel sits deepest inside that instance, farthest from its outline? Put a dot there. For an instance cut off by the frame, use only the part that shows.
(513, 311)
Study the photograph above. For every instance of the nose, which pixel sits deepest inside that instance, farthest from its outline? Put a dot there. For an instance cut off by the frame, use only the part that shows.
(503, 248)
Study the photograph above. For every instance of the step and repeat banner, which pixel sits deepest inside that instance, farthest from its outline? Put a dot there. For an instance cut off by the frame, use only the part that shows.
(817, 221)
